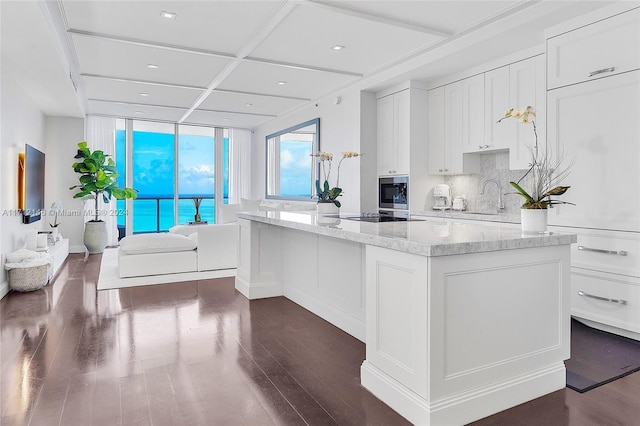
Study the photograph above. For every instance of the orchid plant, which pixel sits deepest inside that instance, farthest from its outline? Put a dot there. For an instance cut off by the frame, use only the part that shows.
(544, 171)
(326, 193)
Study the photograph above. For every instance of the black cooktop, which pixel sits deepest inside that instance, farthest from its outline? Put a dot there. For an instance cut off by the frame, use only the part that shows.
(377, 218)
(380, 217)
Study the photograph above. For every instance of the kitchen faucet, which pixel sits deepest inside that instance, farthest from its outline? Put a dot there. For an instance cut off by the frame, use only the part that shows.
(500, 203)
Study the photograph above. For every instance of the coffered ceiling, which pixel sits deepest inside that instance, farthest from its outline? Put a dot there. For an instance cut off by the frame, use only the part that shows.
(235, 63)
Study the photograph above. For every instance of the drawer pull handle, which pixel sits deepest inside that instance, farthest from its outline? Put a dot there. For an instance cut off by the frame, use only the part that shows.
(602, 71)
(618, 301)
(621, 252)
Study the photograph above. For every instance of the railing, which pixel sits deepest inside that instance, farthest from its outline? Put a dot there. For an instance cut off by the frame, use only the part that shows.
(156, 212)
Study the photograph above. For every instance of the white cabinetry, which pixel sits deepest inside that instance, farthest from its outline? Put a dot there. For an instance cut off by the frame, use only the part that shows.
(496, 102)
(394, 133)
(596, 124)
(526, 87)
(517, 85)
(605, 280)
(473, 113)
(593, 109)
(604, 48)
(453, 122)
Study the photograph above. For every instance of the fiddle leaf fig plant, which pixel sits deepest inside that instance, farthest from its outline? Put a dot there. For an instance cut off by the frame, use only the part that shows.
(98, 177)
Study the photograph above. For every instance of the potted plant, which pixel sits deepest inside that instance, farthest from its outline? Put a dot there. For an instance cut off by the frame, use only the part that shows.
(98, 176)
(327, 196)
(543, 175)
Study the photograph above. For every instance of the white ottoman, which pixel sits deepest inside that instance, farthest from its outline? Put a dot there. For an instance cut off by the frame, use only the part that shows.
(156, 254)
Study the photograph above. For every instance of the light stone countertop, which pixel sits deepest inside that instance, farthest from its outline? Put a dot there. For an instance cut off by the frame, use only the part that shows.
(469, 215)
(427, 236)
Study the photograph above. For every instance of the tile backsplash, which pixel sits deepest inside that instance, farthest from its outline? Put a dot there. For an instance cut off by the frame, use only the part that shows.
(495, 166)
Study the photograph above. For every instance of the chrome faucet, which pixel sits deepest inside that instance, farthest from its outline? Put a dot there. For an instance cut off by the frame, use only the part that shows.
(500, 203)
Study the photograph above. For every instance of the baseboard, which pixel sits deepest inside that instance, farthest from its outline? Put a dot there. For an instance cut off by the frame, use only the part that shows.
(77, 249)
(258, 291)
(4, 289)
(464, 407)
(340, 319)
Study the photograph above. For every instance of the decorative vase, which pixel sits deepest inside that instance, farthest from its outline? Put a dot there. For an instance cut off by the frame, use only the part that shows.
(327, 208)
(54, 234)
(533, 221)
(95, 236)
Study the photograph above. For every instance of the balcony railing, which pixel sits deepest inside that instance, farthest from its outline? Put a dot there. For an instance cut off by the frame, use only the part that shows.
(151, 217)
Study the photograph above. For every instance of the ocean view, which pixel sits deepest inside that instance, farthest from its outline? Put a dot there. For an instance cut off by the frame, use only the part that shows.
(145, 214)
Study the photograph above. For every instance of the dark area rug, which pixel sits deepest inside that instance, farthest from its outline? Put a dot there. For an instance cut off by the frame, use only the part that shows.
(598, 357)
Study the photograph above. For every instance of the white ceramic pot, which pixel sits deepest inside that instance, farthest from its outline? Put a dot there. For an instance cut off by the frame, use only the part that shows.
(327, 208)
(95, 236)
(533, 221)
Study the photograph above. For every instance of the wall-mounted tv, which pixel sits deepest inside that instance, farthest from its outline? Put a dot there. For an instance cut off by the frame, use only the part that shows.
(33, 169)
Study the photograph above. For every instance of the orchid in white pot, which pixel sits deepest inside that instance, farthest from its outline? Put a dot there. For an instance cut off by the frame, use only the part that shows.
(326, 193)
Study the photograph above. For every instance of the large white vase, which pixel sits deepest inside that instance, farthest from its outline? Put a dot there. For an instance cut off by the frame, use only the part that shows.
(95, 236)
(327, 208)
(533, 221)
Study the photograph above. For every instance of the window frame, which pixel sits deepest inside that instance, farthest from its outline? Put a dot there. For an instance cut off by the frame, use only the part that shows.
(315, 172)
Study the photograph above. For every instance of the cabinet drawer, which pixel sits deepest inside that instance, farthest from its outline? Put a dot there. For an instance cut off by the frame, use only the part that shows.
(606, 298)
(607, 254)
(605, 251)
(607, 47)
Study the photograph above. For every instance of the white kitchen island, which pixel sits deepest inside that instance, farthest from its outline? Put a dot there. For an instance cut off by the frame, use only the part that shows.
(460, 320)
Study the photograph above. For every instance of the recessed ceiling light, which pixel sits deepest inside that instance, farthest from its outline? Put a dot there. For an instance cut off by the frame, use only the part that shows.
(248, 104)
(168, 15)
(225, 119)
(152, 66)
(282, 83)
(337, 47)
(138, 112)
(144, 94)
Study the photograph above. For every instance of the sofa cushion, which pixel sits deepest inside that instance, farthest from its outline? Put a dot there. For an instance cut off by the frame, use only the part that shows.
(156, 243)
(186, 230)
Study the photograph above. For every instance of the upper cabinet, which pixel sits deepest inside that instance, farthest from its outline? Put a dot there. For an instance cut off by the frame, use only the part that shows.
(394, 133)
(463, 117)
(607, 47)
(526, 87)
(452, 124)
(496, 102)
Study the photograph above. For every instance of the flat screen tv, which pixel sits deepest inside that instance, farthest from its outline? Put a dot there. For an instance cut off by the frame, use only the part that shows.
(33, 184)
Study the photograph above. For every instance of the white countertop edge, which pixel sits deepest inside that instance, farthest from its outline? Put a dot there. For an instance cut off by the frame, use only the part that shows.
(515, 241)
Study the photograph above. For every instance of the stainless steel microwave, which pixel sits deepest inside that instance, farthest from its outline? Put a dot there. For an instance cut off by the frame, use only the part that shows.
(393, 192)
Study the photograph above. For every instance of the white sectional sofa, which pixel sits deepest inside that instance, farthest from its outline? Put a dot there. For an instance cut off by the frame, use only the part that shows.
(193, 248)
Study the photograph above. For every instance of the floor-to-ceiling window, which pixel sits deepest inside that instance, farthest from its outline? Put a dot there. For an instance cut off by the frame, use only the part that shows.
(173, 167)
(153, 159)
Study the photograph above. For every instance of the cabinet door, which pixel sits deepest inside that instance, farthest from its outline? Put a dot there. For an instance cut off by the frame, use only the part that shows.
(473, 113)
(604, 48)
(435, 130)
(453, 128)
(526, 87)
(386, 144)
(496, 101)
(402, 125)
(597, 123)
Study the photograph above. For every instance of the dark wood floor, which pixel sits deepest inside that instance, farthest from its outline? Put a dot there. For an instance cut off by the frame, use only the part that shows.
(199, 353)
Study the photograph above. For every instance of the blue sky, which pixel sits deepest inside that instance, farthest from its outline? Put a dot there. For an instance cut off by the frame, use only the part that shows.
(295, 168)
(153, 160)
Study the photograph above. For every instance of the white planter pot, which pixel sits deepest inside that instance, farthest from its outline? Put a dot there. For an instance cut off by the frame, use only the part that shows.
(95, 236)
(327, 208)
(533, 221)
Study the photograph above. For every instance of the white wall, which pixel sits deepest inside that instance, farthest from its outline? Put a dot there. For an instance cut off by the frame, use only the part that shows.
(340, 130)
(22, 122)
(62, 137)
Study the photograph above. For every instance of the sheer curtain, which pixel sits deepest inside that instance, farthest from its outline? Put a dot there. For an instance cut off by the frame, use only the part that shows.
(239, 164)
(100, 133)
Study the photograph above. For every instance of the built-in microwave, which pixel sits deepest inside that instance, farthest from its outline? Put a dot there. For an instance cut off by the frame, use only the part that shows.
(393, 192)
